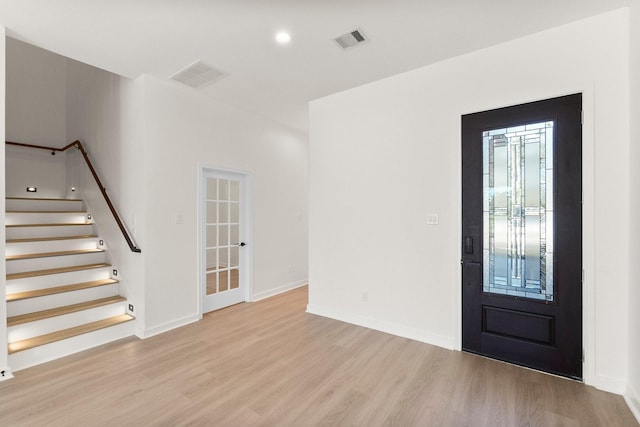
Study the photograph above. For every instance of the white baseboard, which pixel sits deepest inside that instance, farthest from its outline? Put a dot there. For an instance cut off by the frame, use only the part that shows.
(612, 385)
(165, 327)
(383, 326)
(279, 290)
(632, 398)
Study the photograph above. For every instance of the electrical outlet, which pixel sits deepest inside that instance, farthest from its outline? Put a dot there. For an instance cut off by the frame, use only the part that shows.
(131, 308)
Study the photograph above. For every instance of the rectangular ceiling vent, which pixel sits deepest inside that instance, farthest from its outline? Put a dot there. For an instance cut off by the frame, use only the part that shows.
(351, 39)
(197, 74)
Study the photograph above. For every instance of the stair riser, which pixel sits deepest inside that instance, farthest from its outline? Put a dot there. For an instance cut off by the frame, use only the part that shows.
(31, 305)
(53, 231)
(57, 323)
(43, 205)
(14, 218)
(51, 246)
(22, 265)
(56, 350)
(52, 280)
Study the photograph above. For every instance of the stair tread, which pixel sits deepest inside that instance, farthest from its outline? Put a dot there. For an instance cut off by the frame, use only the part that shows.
(56, 270)
(43, 199)
(47, 212)
(59, 289)
(48, 224)
(59, 311)
(68, 333)
(50, 239)
(52, 254)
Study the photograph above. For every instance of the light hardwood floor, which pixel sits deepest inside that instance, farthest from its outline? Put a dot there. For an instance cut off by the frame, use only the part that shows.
(271, 364)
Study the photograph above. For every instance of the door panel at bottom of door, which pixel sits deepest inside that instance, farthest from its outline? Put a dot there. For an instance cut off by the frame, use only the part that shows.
(521, 325)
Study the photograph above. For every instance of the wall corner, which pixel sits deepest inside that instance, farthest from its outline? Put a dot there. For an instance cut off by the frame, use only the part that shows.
(4, 356)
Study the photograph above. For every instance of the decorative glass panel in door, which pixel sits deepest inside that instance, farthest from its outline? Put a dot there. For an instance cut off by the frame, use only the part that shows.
(517, 206)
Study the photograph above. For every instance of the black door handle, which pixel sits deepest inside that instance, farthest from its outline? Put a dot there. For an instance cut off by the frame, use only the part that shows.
(243, 244)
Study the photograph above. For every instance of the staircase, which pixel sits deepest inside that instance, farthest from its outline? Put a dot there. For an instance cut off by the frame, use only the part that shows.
(62, 293)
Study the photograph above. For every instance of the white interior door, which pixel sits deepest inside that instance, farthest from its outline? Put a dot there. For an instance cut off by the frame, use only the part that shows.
(224, 247)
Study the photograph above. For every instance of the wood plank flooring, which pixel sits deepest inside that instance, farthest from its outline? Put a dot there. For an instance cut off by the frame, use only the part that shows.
(270, 364)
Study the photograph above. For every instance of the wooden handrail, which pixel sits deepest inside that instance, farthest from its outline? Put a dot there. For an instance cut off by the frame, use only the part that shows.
(78, 144)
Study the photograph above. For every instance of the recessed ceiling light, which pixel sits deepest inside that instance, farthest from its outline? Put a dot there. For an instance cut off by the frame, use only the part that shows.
(283, 37)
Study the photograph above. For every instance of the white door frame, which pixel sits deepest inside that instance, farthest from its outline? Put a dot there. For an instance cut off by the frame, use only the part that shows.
(246, 213)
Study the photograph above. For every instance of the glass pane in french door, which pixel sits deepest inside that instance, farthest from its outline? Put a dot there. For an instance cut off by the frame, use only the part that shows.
(222, 235)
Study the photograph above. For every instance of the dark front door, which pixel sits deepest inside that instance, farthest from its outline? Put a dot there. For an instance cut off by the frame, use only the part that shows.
(522, 234)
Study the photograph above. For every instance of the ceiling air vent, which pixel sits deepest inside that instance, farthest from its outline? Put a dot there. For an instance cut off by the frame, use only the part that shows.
(197, 74)
(351, 39)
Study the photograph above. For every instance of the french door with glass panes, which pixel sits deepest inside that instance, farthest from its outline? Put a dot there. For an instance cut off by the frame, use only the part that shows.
(224, 268)
(522, 234)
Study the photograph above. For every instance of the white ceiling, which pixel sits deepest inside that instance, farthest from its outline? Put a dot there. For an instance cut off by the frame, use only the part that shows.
(160, 37)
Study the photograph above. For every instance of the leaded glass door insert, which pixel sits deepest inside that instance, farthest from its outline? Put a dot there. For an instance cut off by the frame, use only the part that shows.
(517, 206)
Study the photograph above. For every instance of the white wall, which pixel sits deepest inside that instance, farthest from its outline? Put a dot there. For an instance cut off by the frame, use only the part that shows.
(384, 155)
(28, 167)
(633, 390)
(35, 114)
(104, 112)
(35, 98)
(184, 130)
(4, 365)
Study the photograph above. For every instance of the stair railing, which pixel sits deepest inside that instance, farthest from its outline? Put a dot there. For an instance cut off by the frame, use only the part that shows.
(78, 144)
